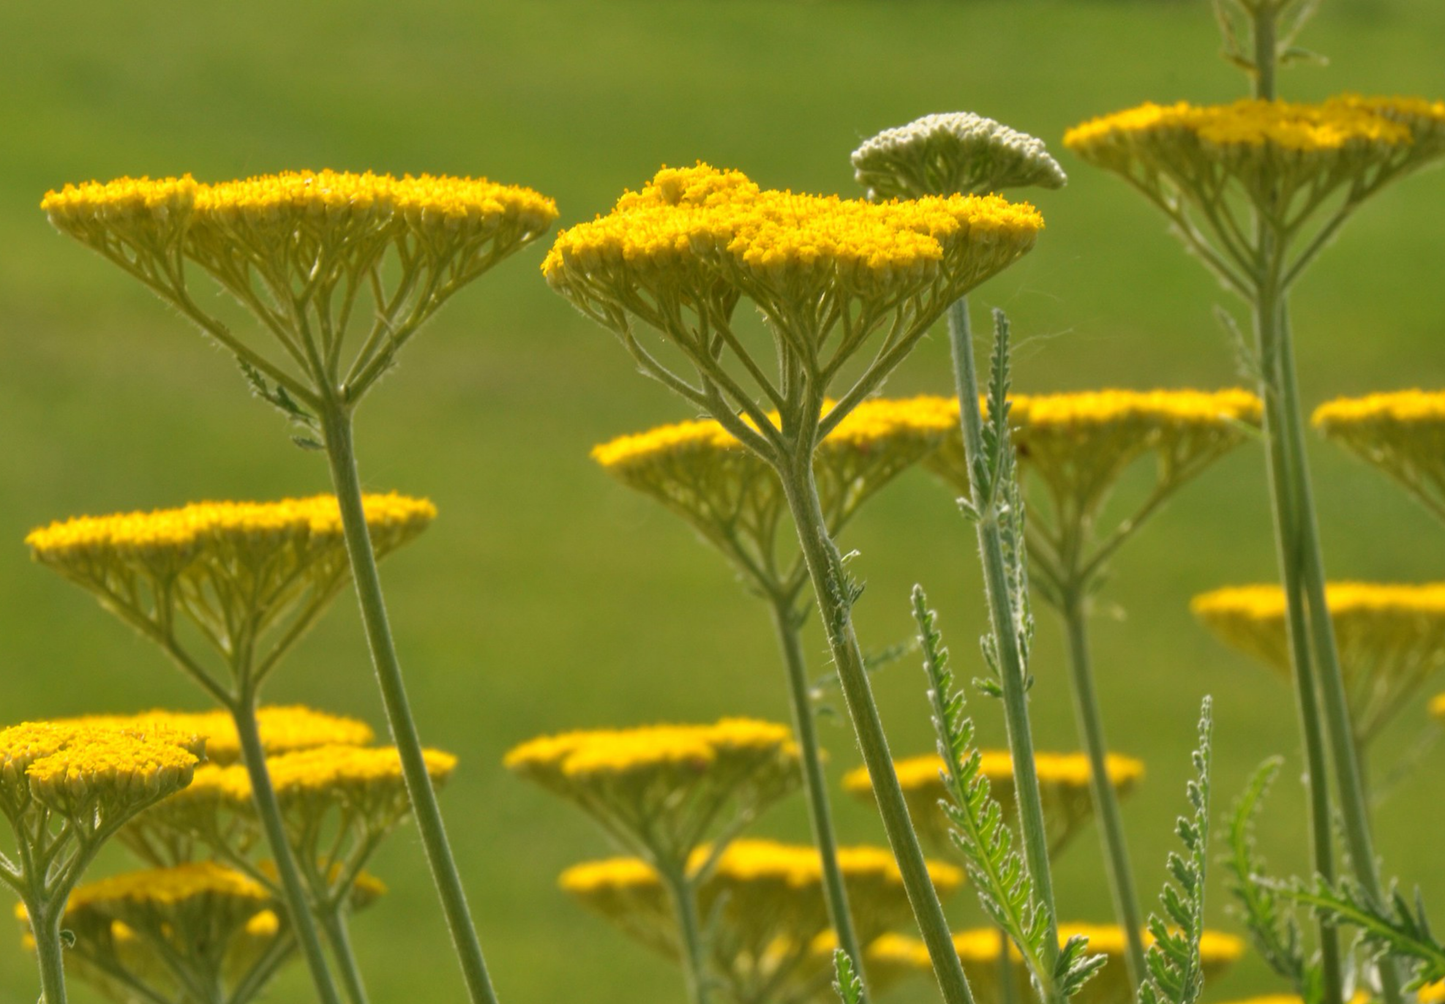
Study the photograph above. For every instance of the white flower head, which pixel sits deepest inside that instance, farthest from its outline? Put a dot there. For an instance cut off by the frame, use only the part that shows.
(950, 153)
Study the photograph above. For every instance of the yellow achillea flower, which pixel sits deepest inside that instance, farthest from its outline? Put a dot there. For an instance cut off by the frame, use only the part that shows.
(658, 790)
(1390, 638)
(1432, 993)
(299, 248)
(238, 570)
(979, 951)
(1079, 444)
(1402, 433)
(284, 729)
(734, 500)
(1063, 786)
(767, 899)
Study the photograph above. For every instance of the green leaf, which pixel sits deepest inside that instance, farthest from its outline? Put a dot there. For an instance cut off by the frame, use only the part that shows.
(846, 983)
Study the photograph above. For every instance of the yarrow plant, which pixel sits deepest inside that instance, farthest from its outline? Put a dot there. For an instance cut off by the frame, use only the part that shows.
(1402, 433)
(340, 270)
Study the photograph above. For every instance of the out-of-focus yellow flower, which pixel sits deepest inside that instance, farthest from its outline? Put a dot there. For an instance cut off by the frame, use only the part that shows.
(1063, 786)
(1402, 433)
(735, 501)
(284, 729)
(767, 898)
(238, 570)
(658, 790)
(979, 951)
(1390, 638)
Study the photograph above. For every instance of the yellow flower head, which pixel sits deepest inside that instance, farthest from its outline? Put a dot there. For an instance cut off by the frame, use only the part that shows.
(1402, 433)
(299, 248)
(768, 901)
(91, 777)
(1390, 638)
(1269, 151)
(659, 789)
(1063, 785)
(236, 569)
(734, 500)
(284, 729)
(979, 951)
(826, 273)
(1079, 444)
(171, 928)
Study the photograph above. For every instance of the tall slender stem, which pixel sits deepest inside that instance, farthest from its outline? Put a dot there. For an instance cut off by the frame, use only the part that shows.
(825, 566)
(820, 815)
(1074, 612)
(1012, 672)
(684, 905)
(243, 711)
(340, 938)
(49, 951)
(340, 451)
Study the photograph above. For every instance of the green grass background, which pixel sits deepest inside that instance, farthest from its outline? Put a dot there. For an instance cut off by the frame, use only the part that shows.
(546, 597)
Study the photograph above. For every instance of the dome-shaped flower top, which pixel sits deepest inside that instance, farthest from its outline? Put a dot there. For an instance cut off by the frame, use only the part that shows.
(298, 247)
(236, 569)
(826, 273)
(1390, 638)
(979, 949)
(1402, 433)
(659, 789)
(703, 473)
(1063, 787)
(955, 152)
(767, 899)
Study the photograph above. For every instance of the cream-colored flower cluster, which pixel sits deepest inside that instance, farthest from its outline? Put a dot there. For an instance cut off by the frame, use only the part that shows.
(952, 152)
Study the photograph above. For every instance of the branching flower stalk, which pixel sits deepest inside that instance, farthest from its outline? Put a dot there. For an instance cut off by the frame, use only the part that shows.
(1257, 189)
(249, 579)
(734, 501)
(304, 252)
(828, 276)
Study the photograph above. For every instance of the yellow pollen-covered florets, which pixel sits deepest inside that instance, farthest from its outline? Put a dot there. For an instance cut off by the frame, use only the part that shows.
(1391, 638)
(169, 886)
(1402, 433)
(1063, 785)
(284, 729)
(349, 771)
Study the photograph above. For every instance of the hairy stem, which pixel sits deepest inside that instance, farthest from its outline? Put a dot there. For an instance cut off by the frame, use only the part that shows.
(1075, 614)
(820, 814)
(49, 951)
(825, 566)
(269, 812)
(1012, 672)
(340, 451)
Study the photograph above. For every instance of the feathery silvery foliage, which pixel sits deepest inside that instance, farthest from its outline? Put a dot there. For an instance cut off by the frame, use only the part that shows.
(1175, 974)
(847, 984)
(1398, 930)
(997, 870)
(954, 152)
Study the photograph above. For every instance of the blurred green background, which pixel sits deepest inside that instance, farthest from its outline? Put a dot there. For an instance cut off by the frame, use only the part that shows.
(546, 597)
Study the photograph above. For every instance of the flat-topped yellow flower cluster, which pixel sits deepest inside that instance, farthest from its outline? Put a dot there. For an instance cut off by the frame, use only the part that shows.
(284, 729)
(1063, 787)
(1402, 433)
(1391, 637)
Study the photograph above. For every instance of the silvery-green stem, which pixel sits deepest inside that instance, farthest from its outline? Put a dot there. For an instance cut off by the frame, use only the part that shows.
(263, 795)
(825, 566)
(820, 815)
(1106, 801)
(340, 938)
(340, 451)
(1012, 672)
(49, 950)
(683, 894)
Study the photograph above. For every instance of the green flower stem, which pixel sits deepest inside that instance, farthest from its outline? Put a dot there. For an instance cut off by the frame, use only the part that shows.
(269, 810)
(787, 620)
(1354, 802)
(341, 453)
(1011, 669)
(45, 920)
(684, 904)
(336, 933)
(830, 583)
(1075, 613)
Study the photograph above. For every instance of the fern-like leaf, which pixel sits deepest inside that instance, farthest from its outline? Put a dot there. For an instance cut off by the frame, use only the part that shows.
(1400, 929)
(1175, 975)
(996, 870)
(846, 982)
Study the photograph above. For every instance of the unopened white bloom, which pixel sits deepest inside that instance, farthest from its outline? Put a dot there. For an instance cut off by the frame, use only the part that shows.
(954, 152)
